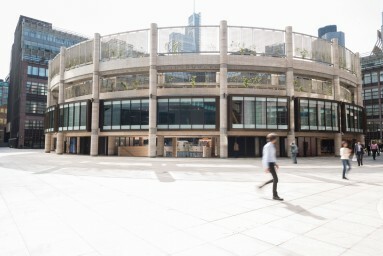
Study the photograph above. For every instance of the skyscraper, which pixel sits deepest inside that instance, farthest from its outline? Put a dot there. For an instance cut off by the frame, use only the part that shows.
(35, 43)
(330, 32)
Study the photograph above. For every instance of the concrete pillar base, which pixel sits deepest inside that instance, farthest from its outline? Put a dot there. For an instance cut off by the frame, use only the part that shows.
(94, 145)
(319, 147)
(111, 143)
(223, 147)
(174, 145)
(160, 145)
(60, 143)
(337, 143)
(47, 148)
(152, 150)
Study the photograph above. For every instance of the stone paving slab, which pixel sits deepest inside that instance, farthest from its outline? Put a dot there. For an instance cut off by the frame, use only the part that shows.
(97, 206)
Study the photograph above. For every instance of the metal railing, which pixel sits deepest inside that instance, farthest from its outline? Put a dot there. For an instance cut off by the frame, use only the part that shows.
(347, 59)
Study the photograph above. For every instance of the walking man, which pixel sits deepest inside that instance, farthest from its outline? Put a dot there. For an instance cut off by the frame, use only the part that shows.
(269, 159)
(359, 151)
(294, 152)
(374, 148)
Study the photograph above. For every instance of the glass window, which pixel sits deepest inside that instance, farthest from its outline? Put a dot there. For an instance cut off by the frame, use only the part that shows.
(107, 115)
(272, 113)
(313, 115)
(237, 112)
(116, 114)
(197, 113)
(249, 112)
(367, 94)
(381, 76)
(282, 114)
(42, 72)
(29, 72)
(328, 110)
(210, 112)
(35, 71)
(304, 113)
(174, 114)
(375, 93)
(163, 109)
(77, 116)
(125, 114)
(374, 77)
(367, 78)
(335, 116)
(260, 113)
(70, 116)
(321, 117)
(185, 114)
(83, 116)
(135, 114)
(144, 114)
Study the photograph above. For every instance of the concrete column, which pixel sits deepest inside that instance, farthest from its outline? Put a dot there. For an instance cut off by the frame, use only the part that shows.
(95, 97)
(223, 151)
(290, 86)
(52, 143)
(153, 91)
(319, 147)
(359, 88)
(337, 143)
(160, 145)
(140, 141)
(49, 84)
(111, 145)
(47, 148)
(78, 145)
(174, 145)
(61, 100)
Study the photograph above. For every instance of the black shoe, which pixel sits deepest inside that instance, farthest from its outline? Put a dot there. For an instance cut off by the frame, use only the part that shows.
(345, 178)
(277, 198)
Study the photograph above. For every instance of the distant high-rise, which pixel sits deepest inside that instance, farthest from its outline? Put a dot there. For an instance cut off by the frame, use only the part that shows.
(190, 40)
(35, 43)
(330, 32)
(372, 74)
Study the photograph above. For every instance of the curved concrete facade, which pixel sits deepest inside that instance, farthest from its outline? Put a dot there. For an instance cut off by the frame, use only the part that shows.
(241, 84)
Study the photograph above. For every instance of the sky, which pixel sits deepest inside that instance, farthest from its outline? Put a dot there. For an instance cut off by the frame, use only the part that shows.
(358, 19)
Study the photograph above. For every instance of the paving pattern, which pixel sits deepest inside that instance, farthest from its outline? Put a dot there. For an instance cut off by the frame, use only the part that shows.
(73, 205)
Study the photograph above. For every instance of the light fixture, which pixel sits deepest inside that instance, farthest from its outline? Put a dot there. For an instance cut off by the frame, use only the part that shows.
(151, 95)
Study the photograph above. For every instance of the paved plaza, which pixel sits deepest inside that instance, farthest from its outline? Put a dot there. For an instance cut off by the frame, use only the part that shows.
(74, 205)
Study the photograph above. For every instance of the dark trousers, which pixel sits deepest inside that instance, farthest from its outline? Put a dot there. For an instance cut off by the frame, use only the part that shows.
(359, 157)
(294, 157)
(274, 180)
(374, 153)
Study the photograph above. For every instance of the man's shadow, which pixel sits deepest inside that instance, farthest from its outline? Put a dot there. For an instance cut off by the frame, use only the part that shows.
(301, 211)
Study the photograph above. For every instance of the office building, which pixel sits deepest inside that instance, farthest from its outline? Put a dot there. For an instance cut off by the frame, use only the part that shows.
(236, 88)
(35, 43)
(4, 86)
(330, 32)
(372, 70)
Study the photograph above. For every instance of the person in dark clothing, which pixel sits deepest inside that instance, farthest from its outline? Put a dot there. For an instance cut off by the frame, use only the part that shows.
(374, 148)
(359, 151)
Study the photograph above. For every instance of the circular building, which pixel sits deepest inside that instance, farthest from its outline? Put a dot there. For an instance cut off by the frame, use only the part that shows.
(206, 91)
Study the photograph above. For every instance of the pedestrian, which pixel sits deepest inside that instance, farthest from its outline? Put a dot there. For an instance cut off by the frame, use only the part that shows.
(236, 149)
(269, 159)
(345, 153)
(359, 152)
(374, 148)
(294, 152)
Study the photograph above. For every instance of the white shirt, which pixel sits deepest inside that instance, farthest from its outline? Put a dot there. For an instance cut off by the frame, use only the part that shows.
(269, 155)
(345, 153)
